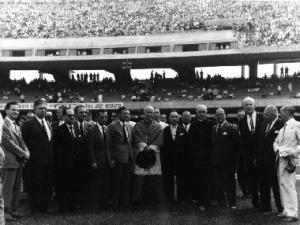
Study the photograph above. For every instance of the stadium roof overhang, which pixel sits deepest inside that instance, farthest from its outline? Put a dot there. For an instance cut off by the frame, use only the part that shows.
(158, 60)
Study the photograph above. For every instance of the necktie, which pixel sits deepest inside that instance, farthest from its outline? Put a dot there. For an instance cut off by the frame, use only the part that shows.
(268, 129)
(72, 132)
(45, 129)
(124, 134)
(252, 125)
(218, 129)
(16, 128)
(103, 133)
(81, 129)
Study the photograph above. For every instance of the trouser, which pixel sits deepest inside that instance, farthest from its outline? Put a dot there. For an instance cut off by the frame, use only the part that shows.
(147, 189)
(201, 180)
(242, 174)
(2, 220)
(225, 187)
(99, 185)
(253, 181)
(68, 189)
(11, 187)
(288, 193)
(268, 181)
(120, 183)
(175, 184)
(39, 187)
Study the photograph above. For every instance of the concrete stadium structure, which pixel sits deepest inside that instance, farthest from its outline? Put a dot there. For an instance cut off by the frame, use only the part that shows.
(181, 51)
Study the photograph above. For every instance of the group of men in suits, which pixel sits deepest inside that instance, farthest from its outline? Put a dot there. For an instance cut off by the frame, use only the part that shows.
(95, 163)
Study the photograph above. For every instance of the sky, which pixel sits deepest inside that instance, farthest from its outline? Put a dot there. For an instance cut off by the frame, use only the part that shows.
(228, 71)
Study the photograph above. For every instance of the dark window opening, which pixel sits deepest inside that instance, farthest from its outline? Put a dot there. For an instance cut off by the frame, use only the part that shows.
(84, 51)
(190, 48)
(52, 52)
(120, 51)
(18, 53)
(153, 49)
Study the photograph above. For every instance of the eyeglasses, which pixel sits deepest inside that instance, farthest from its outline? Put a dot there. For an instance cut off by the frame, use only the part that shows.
(83, 112)
(70, 115)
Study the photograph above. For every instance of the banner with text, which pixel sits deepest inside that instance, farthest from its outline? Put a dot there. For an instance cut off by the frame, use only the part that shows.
(54, 106)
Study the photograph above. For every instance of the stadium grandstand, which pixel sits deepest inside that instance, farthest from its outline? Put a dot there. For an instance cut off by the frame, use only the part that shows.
(256, 23)
(121, 35)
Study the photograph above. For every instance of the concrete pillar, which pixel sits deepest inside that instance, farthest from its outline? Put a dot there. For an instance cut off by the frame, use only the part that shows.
(59, 74)
(122, 76)
(4, 76)
(185, 73)
(243, 71)
(275, 69)
(253, 70)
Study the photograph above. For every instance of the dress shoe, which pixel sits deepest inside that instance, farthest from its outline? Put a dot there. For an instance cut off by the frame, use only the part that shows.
(202, 208)
(17, 215)
(9, 218)
(281, 215)
(290, 219)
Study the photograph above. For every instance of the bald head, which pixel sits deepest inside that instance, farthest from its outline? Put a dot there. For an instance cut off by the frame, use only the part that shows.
(148, 113)
(270, 113)
(248, 105)
(186, 117)
(287, 112)
(220, 115)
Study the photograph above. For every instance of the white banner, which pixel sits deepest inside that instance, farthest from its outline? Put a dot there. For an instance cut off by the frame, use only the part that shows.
(54, 106)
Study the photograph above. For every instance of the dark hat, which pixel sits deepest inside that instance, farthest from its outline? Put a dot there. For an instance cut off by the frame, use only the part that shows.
(146, 159)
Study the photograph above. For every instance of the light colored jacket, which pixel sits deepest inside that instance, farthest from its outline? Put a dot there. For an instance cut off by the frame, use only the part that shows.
(13, 145)
(288, 139)
(2, 155)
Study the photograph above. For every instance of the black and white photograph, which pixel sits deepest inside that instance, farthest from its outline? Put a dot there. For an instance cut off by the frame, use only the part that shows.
(149, 112)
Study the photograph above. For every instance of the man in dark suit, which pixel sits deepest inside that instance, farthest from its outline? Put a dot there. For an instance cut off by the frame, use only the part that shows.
(249, 136)
(186, 120)
(173, 159)
(199, 139)
(85, 172)
(15, 153)
(67, 154)
(266, 160)
(119, 144)
(224, 152)
(241, 162)
(37, 135)
(98, 158)
(60, 120)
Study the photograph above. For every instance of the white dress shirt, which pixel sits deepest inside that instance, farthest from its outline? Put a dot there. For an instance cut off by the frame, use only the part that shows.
(173, 131)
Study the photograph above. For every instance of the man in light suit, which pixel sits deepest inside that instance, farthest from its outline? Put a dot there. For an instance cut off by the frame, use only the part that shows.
(224, 153)
(15, 153)
(119, 140)
(98, 159)
(2, 155)
(287, 146)
(37, 135)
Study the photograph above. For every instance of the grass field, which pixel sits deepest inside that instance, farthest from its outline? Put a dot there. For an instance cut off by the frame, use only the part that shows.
(176, 214)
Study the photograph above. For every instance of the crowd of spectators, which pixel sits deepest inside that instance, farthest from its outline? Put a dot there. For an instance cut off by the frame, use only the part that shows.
(156, 88)
(265, 22)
